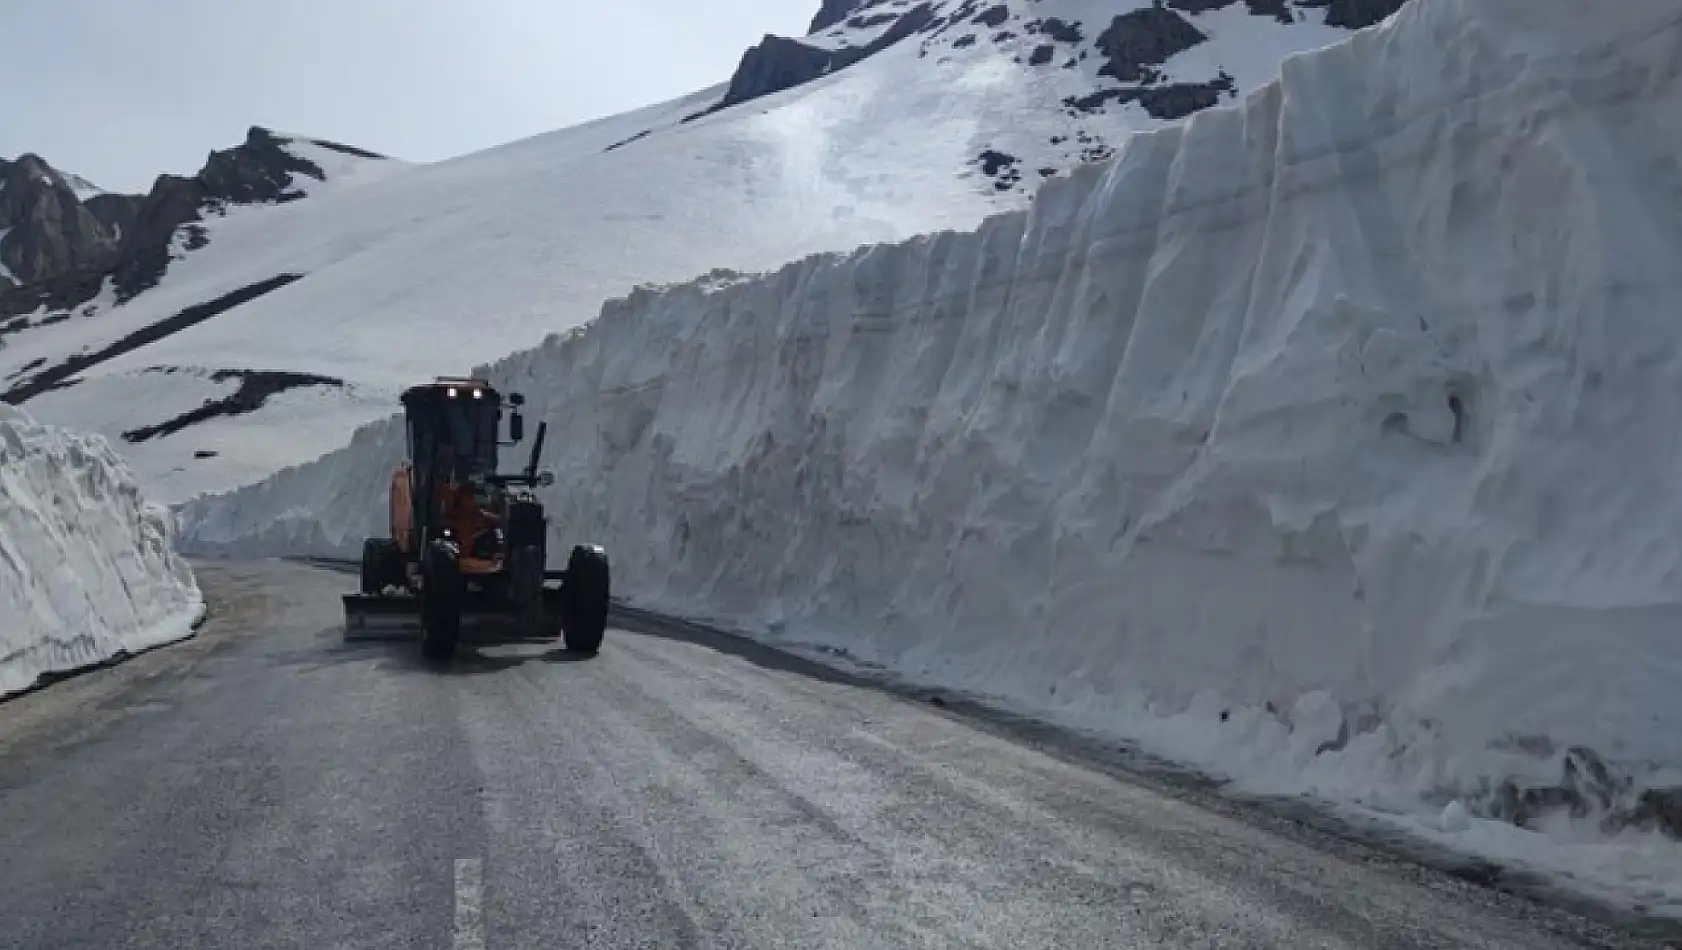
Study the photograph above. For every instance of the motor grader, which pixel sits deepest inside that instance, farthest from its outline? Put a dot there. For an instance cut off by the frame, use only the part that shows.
(469, 542)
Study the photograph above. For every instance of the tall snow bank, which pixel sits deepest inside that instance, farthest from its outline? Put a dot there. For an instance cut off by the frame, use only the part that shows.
(1333, 440)
(87, 571)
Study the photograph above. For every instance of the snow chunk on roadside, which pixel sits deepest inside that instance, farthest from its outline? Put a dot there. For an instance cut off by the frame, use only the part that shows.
(87, 569)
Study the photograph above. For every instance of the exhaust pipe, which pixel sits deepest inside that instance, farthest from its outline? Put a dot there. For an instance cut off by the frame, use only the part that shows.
(536, 451)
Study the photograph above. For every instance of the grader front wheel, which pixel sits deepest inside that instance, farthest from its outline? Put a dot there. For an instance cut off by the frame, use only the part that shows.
(584, 599)
(382, 566)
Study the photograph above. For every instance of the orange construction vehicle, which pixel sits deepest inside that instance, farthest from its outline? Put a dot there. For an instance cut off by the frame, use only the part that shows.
(467, 540)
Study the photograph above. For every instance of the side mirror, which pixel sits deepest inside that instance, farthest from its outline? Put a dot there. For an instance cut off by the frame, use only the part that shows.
(517, 427)
(516, 399)
(546, 479)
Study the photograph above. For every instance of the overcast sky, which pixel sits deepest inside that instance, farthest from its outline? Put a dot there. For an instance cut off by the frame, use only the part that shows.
(121, 90)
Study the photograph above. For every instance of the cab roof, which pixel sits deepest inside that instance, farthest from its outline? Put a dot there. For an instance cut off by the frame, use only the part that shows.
(445, 388)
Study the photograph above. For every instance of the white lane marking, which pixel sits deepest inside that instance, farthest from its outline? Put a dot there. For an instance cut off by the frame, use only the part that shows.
(470, 904)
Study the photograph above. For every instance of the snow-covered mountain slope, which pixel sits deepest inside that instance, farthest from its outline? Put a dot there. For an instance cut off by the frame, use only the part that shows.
(1328, 441)
(87, 570)
(409, 272)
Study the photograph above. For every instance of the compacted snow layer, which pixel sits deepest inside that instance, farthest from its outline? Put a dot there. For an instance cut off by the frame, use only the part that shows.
(1330, 442)
(87, 571)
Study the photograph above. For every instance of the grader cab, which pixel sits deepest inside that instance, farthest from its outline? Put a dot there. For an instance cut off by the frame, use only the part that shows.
(469, 541)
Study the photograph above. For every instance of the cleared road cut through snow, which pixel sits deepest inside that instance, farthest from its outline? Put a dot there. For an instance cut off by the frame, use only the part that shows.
(87, 571)
(1329, 442)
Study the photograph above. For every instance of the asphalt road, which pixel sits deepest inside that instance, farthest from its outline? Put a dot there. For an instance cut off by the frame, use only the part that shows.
(265, 785)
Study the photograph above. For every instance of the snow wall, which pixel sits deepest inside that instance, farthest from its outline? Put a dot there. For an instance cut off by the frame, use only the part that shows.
(87, 569)
(1330, 439)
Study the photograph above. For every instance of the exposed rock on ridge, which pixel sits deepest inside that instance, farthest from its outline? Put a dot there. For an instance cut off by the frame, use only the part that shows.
(833, 12)
(62, 251)
(778, 63)
(47, 229)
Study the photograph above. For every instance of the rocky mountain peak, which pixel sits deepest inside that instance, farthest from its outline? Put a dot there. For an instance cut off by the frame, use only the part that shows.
(58, 249)
(31, 164)
(47, 230)
(260, 169)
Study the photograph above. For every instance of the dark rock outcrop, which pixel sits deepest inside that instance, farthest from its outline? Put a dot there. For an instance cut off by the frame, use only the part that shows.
(48, 230)
(1178, 100)
(778, 63)
(1199, 6)
(173, 202)
(1137, 42)
(259, 170)
(993, 16)
(645, 133)
(65, 249)
(256, 171)
(255, 389)
(1060, 30)
(58, 294)
(1096, 100)
(1348, 14)
(116, 213)
(1005, 169)
(1277, 9)
(49, 378)
(835, 11)
(1167, 103)
(1355, 14)
(865, 22)
(349, 150)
